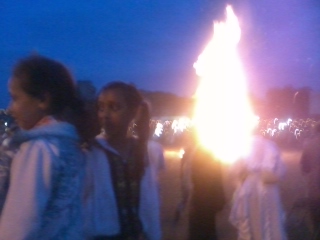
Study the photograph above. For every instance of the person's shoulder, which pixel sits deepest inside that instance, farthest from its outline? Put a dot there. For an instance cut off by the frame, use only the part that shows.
(36, 151)
(93, 148)
(34, 143)
(264, 142)
(39, 146)
(97, 152)
(154, 145)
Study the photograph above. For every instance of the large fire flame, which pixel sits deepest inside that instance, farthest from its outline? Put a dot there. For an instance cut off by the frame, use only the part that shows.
(223, 116)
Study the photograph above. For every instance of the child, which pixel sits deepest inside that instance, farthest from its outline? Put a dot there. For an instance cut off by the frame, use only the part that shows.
(44, 196)
(121, 197)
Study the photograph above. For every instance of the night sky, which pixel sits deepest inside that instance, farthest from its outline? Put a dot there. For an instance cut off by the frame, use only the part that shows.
(154, 43)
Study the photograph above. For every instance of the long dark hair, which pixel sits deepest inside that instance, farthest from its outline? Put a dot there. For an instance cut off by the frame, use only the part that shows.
(40, 76)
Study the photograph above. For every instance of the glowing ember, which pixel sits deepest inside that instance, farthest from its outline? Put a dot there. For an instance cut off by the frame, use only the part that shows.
(223, 115)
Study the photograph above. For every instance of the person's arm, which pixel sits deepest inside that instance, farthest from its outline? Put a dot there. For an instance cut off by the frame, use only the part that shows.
(161, 165)
(29, 191)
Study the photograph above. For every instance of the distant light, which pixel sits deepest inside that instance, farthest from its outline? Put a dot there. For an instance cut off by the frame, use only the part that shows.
(297, 133)
(159, 129)
(181, 153)
(180, 125)
(282, 125)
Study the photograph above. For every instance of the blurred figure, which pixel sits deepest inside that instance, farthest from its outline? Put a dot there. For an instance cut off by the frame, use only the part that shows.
(121, 195)
(202, 190)
(5, 163)
(46, 174)
(155, 154)
(154, 149)
(310, 167)
(7, 153)
(256, 208)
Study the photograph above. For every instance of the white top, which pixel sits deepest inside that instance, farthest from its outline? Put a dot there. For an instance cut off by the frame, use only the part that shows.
(101, 216)
(257, 211)
(156, 157)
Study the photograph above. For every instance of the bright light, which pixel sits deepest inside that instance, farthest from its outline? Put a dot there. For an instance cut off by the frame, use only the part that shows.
(223, 116)
(282, 125)
(181, 153)
(181, 124)
(159, 129)
(297, 133)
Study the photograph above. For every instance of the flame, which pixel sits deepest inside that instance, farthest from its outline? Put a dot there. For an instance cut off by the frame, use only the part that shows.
(223, 116)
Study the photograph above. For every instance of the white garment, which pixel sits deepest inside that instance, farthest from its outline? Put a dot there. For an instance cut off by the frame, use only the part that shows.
(257, 210)
(44, 196)
(101, 216)
(156, 157)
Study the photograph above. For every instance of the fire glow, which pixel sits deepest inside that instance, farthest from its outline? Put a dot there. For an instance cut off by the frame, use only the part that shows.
(223, 116)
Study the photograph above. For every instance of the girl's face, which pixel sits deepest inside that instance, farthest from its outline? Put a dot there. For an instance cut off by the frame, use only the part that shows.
(25, 109)
(113, 113)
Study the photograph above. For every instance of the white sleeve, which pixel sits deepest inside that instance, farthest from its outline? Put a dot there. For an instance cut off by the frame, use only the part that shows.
(156, 156)
(29, 191)
(160, 158)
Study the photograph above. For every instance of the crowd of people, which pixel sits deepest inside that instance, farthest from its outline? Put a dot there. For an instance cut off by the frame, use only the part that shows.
(288, 132)
(64, 176)
(61, 178)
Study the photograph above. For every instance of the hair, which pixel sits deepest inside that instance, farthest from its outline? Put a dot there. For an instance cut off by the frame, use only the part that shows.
(142, 121)
(40, 76)
(131, 94)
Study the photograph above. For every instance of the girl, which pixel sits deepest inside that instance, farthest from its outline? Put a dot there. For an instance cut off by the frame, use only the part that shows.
(44, 196)
(121, 197)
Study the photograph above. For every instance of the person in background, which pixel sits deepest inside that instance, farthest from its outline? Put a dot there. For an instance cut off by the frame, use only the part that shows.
(7, 153)
(310, 167)
(202, 189)
(256, 209)
(154, 148)
(156, 154)
(46, 174)
(121, 196)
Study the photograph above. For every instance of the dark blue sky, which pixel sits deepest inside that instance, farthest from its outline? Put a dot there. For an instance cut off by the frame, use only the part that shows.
(154, 43)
